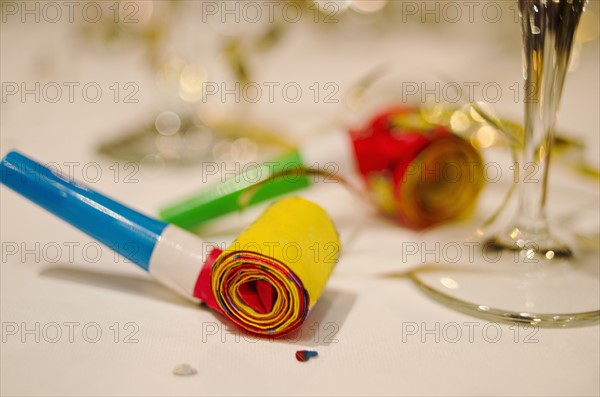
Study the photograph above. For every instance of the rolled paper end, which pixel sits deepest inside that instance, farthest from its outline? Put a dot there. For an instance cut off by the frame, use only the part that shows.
(419, 173)
(441, 184)
(273, 273)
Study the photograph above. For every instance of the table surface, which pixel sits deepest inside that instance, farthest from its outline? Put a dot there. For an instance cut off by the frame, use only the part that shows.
(375, 334)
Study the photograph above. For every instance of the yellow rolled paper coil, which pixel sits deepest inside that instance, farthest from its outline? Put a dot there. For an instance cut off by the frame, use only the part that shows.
(447, 178)
(270, 277)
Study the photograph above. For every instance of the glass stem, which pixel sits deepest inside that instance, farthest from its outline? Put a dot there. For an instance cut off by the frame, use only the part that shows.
(548, 28)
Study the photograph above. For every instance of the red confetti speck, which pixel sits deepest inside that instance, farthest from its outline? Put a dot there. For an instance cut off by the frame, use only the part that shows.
(305, 355)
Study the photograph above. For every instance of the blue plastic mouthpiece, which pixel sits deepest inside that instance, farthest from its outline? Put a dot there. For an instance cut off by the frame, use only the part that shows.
(130, 233)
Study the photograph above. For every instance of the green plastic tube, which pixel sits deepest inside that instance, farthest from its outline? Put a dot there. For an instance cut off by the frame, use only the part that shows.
(225, 198)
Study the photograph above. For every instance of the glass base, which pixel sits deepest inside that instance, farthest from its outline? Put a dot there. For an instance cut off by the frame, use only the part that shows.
(513, 286)
(531, 242)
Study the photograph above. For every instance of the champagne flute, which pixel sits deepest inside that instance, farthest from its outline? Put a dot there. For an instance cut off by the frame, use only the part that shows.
(535, 277)
(548, 29)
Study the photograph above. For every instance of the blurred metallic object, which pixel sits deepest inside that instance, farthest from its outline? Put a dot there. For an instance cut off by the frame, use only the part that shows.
(237, 60)
(174, 139)
(368, 6)
(140, 22)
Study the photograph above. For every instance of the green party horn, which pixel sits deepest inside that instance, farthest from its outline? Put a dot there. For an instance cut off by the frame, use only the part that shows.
(394, 154)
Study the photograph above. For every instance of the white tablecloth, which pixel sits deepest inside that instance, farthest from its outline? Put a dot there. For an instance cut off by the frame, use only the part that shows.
(374, 334)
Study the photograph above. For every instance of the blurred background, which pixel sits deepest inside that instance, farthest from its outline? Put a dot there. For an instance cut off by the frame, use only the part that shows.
(203, 74)
(169, 84)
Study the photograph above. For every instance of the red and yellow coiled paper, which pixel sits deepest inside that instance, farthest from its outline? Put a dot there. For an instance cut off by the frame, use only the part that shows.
(269, 278)
(418, 173)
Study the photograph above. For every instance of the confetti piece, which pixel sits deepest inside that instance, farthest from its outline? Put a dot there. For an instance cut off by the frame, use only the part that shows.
(184, 370)
(305, 355)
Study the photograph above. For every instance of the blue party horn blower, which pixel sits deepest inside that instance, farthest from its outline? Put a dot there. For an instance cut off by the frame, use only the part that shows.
(131, 234)
(264, 294)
